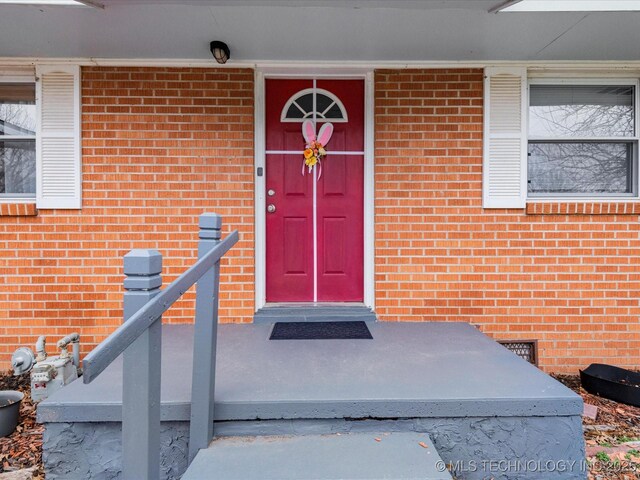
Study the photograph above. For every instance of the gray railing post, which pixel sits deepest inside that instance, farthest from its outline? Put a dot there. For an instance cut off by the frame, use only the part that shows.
(141, 371)
(204, 343)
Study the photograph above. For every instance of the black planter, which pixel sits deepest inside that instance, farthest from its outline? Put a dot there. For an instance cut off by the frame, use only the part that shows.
(612, 382)
(9, 411)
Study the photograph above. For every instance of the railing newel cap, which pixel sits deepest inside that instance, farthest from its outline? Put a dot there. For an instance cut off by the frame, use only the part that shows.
(210, 221)
(143, 262)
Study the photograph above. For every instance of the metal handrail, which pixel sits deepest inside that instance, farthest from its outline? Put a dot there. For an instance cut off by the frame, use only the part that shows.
(139, 339)
(116, 343)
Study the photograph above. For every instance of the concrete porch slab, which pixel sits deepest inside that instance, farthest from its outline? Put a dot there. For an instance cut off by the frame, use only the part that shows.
(407, 370)
(476, 400)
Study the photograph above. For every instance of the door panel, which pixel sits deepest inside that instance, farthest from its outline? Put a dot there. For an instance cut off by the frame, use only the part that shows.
(291, 275)
(334, 171)
(289, 232)
(340, 229)
(296, 261)
(335, 231)
(340, 201)
(295, 184)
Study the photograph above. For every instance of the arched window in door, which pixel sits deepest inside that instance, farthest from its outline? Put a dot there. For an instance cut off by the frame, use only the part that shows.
(299, 107)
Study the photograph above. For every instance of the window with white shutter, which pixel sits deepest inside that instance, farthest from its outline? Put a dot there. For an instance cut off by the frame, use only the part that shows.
(58, 161)
(504, 170)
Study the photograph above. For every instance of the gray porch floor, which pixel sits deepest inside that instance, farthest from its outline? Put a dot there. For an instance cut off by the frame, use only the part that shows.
(407, 370)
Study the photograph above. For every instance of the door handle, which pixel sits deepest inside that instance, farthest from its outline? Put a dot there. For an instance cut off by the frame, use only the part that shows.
(271, 208)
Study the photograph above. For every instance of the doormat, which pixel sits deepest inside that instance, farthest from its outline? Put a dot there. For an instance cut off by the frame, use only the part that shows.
(320, 331)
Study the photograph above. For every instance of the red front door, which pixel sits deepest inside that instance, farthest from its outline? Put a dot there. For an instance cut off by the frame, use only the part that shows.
(315, 226)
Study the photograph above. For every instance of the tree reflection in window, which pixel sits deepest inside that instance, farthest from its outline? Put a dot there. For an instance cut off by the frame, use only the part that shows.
(17, 167)
(17, 109)
(17, 140)
(300, 107)
(581, 139)
(581, 111)
(580, 168)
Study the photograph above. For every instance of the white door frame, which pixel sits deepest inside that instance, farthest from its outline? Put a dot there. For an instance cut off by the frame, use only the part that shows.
(260, 167)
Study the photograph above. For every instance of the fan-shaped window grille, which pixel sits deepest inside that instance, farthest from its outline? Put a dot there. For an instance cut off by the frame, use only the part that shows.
(299, 107)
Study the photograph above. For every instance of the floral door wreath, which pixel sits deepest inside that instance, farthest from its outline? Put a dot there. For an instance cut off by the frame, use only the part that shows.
(314, 149)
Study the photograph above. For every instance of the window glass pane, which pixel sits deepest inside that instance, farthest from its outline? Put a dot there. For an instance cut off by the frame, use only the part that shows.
(17, 167)
(580, 168)
(581, 111)
(334, 112)
(17, 109)
(322, 102)
(306, 102)
(294, 112)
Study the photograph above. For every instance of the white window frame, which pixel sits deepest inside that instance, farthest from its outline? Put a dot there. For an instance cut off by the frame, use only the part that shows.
(635, 140)
(20, 197)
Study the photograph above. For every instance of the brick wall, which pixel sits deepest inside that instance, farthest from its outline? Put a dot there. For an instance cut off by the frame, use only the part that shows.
(160, 146)
(565, 274)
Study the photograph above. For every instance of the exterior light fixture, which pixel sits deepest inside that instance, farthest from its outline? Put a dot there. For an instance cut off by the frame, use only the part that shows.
(220, 51)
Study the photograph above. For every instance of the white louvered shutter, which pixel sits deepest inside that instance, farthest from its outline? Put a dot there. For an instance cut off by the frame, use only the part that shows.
(58, 165)
(504, 171)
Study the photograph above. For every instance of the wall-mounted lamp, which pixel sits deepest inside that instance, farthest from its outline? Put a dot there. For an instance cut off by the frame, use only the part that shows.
(220, 51)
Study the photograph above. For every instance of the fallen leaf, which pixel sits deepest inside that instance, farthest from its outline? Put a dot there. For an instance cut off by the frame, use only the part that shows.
(423, 445)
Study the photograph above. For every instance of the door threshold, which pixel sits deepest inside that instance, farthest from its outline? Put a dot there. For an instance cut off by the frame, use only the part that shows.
(313, 312)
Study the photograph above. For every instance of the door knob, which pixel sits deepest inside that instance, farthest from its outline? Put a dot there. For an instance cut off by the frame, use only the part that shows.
(271, 208)
(271, 192)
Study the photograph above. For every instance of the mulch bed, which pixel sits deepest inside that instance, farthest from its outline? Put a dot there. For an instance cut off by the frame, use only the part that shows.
(23, 448)
(612, 439)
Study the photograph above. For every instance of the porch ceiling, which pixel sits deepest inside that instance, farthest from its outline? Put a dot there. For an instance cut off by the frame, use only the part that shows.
(316, 30)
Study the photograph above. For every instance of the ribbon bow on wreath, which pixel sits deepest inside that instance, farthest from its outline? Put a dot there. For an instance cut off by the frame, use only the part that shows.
(314, 149)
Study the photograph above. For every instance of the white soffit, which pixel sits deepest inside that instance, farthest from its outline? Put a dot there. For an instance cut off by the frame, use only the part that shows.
(316, 31)
(413, 4)
(55, 3)
(69, 3)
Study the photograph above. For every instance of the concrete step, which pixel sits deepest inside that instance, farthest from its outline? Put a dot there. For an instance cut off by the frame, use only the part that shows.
(314, 313)
(349, 456)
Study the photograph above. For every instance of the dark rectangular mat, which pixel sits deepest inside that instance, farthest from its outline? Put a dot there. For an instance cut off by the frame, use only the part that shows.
(320, 331)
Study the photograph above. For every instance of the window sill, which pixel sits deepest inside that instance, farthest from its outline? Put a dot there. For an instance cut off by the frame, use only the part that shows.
(18, 209)
(583, 207)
